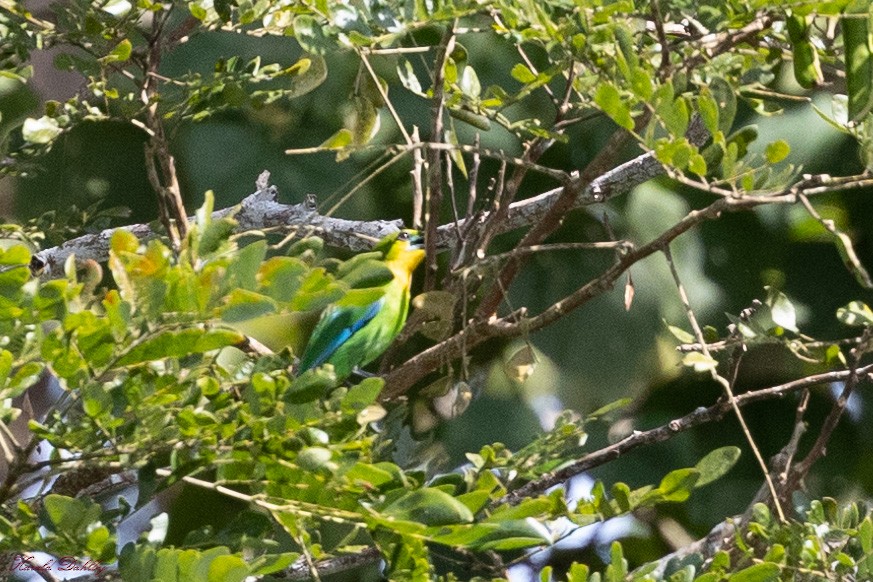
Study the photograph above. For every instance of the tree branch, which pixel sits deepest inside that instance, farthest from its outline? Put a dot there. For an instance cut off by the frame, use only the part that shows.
(160, 164)
(258, 211)
(261, 210)
(433, 198)
(667, 431)
(398, 381)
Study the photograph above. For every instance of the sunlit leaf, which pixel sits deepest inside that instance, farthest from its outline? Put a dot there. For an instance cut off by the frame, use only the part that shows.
(521, 364)
(609, 100)
(522, 74)
(855, 313)
(699, 361)
(777, 151)
(40, 131)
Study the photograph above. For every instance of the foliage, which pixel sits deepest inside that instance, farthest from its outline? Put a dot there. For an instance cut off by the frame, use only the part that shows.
(158, 371)
(831, 541)
(178, 369)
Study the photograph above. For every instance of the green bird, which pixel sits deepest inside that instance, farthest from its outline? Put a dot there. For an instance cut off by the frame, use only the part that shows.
(358, 328)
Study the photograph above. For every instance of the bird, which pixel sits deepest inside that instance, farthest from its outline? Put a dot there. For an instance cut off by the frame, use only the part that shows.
(359, 327)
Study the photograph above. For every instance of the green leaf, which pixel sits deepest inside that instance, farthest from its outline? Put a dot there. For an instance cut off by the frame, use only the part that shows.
(699, 361)
(364, 270)
(242, 305)
(341, 139)
(362, 395)
(457, 155)
(697, 164)
(96, 401)
(475, 500)
(69, 516)
(228, 569)
(197, 11)
(781, 310)
(372, 476)
(577, 573)
(674, 152)
(310, 34)
(609, 100)
(533, 507)
(763, 572)
(272, 563)
(314, 458)
(621, 494)
(716, 464)
(617, 569)
(777, 151)
(846, 249)
(708, 109)
(306, 75)
(408, 79)
(807, 68)
(726, 99)
(674, 114)
(522, 74)
(311, 385)
(677, 485)
(6, 359)
(243, 270)
(317, 290)
(865, 535)
(641, 84)
(120, 53)
(839, 116)
(25, 377)
(859, 61)
(855, 313)
(494, 536)
(469, 83)
(280, 277)
(430, 507)
(365, 122)
(176, 344)
(609, 408)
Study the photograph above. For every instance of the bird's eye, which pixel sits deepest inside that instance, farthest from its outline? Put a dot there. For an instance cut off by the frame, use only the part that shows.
(403, 235)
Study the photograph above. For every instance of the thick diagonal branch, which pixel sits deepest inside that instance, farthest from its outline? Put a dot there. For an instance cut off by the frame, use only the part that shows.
(261, 210)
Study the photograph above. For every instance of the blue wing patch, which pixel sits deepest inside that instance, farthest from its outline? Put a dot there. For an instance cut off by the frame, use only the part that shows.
(340, 324)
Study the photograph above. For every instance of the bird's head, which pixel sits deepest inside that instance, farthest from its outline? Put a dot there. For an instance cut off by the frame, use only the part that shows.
(404, 248)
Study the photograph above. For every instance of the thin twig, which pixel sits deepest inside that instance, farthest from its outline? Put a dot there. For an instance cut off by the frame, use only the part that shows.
(553, 218)
(725, 384)
(664, 66)
(414, 369)
(384, 94)
(819, 448)
(360, 184)
(733, 341)
(667, 431)
(475, 149)
(850, 257)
